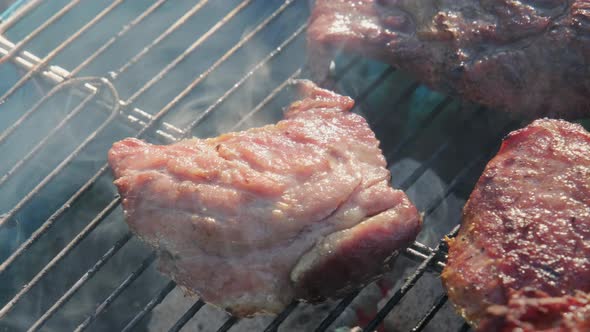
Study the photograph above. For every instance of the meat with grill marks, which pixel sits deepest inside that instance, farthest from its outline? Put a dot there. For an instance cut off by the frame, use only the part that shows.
(526, 57)
(251, 220)
(522, 256)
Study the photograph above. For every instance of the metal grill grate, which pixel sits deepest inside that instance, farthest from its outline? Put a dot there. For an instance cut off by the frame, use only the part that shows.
(239, 55)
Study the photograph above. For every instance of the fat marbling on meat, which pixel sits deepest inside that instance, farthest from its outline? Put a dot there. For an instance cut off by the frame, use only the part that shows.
(526, 57)
(526, 226)
(251, 220)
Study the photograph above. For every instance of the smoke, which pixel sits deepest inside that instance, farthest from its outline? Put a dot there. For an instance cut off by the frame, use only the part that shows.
(386, 108)
(130, 79)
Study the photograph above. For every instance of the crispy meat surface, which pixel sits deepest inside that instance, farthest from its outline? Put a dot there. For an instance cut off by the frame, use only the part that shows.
(526, 57)
(525, 225)
(251, 220)
(532, 311)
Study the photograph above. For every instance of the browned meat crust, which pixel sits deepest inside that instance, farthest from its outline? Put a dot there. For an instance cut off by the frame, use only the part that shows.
(527, 222)
(250, 220)
(526, 57)
(532, 311)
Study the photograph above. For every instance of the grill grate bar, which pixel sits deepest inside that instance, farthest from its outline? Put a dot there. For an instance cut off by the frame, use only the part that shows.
(417, 251)
(148, 307)
(49, 222)
(279, 322)
(64, 252)
(63, 164)
(176, 25)
(411, 136)
(229, 323)
(424, 249)
(419, 257)
(21, 44)
(56, 75)
(360, 98)
(283, 85)
(266, 100)
(188, 315)
(168, 107)
(274, 325)
(61, 77)
(285, 313)
(121, 33)
(14, 169)
(258, 66)
(438, 304)
(366, 92)
(18, 14)
(410, 282)
(337, 311)
(373, 86)
(115, 294)
(401, 99)
(55, 52)
(8, 131)
(419, 254)
(115, 202)
(89, 274)
(206, 73)
(196, 44)
(288, 310)
(456, 180)
(184, 319)
(436, 154)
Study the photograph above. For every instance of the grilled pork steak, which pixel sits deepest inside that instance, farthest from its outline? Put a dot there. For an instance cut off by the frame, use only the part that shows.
(251, 220)
(528, 57)
(526, 225)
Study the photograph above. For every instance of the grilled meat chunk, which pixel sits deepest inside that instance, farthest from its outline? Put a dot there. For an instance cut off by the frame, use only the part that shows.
(526, 224)
(532, 311)
(527, 57)
(251, 220)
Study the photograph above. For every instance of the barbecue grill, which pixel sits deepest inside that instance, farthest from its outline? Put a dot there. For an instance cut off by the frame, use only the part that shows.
(77, 75)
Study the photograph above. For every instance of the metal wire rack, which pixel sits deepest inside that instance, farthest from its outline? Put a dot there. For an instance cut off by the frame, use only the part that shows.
(107, 99)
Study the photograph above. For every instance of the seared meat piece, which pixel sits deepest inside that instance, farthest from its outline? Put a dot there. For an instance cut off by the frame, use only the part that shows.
(251, 220)
(532, 311)
(528, 57)
(526, 224)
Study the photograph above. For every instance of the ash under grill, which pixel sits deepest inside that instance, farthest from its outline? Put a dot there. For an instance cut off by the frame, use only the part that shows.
(79, 75)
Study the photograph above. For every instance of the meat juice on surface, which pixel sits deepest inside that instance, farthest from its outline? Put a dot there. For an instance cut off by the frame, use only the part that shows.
(526, 57)
(251, 220)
